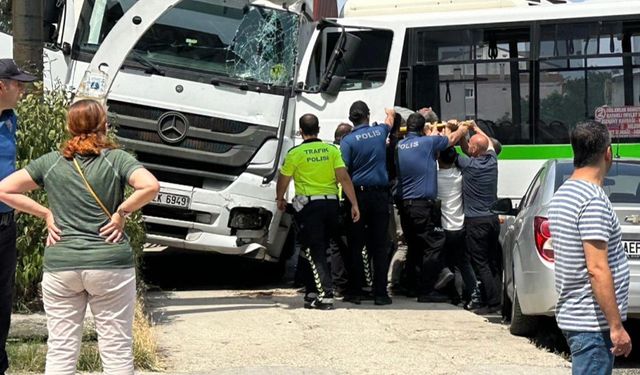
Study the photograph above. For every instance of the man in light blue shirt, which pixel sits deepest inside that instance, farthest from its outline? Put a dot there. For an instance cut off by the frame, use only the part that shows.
(11, 88)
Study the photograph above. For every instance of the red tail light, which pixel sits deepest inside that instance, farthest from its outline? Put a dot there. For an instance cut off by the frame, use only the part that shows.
(542, 236)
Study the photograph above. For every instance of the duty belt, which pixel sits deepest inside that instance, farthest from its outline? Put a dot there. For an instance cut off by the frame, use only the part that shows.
(321, 197)
(6, 218)
(419, 202)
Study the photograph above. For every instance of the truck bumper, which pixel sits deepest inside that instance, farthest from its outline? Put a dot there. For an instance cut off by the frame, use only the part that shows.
(239, 219)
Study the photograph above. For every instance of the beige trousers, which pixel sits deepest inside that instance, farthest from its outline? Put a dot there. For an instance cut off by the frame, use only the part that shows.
(111, 297)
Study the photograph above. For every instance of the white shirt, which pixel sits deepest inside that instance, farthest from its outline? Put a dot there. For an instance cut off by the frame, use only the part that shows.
(450, 194)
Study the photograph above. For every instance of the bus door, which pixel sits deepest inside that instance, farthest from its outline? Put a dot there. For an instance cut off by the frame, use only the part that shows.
(346, 64)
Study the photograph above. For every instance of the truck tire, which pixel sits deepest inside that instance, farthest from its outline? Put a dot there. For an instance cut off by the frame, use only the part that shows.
(521, 325)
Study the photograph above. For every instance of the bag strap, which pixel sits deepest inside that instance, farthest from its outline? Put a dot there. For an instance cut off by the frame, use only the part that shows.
(90, 189)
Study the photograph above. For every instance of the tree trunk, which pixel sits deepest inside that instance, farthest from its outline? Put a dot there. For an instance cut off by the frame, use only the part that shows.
(27, 35)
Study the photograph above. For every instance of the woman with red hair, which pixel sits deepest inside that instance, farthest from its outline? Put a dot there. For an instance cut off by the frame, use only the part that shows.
(87, 259)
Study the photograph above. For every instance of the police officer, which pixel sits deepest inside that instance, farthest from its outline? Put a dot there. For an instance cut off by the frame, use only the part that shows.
(419, 211)
(11, 88)
(364, 153)
(316, 168)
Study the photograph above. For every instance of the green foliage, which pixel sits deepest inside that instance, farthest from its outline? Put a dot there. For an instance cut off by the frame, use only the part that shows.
(30, 357)
(555, 106)
(42, 128)
(5, 16)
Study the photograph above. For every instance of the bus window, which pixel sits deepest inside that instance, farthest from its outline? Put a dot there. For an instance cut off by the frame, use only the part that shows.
(368, 69)
(480, 74)
(581, 69)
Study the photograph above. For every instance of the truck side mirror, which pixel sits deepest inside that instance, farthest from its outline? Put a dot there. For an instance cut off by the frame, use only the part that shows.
(341, 59)
(52, 21)
(503, 206)
(333, 88)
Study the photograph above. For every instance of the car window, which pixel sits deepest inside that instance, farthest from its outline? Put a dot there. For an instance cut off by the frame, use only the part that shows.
(532, 191)
(622, 183)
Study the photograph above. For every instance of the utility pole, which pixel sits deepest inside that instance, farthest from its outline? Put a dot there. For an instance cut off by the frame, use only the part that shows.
(27, 24)
(325, 9)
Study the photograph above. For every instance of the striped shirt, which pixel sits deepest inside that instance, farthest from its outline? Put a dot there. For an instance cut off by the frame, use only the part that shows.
(581, 211)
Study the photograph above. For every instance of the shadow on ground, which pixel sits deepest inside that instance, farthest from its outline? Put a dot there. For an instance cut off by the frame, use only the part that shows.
(550, 338)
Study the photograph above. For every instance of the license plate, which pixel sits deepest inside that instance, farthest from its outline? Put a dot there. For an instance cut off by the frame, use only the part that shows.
(174, 200)
(632, 249)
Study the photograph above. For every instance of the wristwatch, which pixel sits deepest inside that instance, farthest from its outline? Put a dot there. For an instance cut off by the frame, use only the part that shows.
(123, 214)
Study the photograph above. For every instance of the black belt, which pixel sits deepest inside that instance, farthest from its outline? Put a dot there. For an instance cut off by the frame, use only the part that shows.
(371, 188)
(419, 202)
(6, 218)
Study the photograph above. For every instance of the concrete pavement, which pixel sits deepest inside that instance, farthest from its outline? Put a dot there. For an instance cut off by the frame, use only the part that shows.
(269, 332)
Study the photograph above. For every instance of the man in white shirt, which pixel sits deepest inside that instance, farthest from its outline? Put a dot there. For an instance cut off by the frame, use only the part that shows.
(455, 249)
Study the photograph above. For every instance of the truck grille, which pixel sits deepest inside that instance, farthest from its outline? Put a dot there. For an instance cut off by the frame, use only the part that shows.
(197, 121)
(153, 137)
(211, 147)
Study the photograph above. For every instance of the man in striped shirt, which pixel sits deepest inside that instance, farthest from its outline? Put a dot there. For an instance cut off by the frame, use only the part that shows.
(591, 269)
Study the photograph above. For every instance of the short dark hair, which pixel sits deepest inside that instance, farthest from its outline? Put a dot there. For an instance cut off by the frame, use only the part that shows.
(415, 123)
(359, 112)
(342, 130)
(448, 156)
(431, 117)
(309, 124)
(589, 141)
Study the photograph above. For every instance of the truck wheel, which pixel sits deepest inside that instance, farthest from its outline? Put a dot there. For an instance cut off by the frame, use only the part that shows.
(521, 325)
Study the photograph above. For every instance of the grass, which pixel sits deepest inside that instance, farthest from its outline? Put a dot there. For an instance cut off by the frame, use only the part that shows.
(29, 356)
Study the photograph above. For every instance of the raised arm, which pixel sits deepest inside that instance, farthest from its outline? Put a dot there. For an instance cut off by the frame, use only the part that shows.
(391, 115)
(464, 145)
(477, 129)
(457, 135)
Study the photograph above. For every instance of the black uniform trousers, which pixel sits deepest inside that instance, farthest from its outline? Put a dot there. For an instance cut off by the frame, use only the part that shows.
(339, 252)
(368, 242)
(316, 224)
(421, 223)
(457, 259)
(7, 278)
(485, 253)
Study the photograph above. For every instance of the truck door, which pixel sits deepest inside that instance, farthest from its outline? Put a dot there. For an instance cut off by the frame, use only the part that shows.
(343, 65)
(59, 31)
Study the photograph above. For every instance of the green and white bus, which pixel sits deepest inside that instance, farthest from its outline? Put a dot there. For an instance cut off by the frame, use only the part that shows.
(526, 74)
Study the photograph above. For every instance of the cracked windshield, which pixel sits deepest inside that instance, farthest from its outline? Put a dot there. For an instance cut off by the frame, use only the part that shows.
(244, 42)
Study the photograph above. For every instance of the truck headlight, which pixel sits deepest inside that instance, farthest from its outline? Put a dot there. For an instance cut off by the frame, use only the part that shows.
(249, 218)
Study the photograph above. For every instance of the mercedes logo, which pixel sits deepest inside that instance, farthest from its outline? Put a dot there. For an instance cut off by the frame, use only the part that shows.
(173, 127)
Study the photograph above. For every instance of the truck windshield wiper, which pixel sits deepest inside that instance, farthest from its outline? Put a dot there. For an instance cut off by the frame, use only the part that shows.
(151, 68)
(242, 85)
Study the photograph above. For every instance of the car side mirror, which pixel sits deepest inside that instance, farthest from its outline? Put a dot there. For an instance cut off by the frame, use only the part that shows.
(503, 206)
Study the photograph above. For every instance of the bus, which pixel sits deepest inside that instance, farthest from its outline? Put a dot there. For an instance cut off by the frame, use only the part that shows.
(525, 74)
